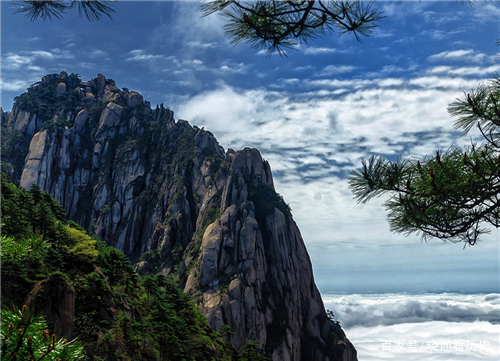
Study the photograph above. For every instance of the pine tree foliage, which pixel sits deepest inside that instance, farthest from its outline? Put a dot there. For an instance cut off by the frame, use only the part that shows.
(251, 352)
(93, 10)
(452, 194)
(24, 336)
(277, 25)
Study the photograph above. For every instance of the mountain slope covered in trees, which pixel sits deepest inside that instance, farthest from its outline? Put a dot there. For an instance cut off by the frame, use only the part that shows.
(113, 312)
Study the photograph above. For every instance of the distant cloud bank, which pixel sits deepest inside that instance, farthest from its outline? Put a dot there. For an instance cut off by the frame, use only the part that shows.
(393, 309)
(420, 327)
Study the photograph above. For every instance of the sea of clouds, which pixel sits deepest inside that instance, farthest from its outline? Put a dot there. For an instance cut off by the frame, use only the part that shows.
(446, 326)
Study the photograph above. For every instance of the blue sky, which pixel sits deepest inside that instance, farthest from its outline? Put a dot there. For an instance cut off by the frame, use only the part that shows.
(313, 115)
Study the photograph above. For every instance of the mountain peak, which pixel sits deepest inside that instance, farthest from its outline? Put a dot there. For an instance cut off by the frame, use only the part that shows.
(168, 195)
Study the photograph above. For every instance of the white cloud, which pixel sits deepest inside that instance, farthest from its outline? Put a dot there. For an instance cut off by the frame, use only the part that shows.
(304, 68)
(14, 85)
(290, 81)
(33, 59)
(194, 29)
(318, 50)
(44, 54)
(356, 83)
(336, 69)
(35, 68)
(393, 309)
(379, 33)
(96, 53)
(486, 11)
(389, 82)
(464, 71)
(433, 82)
(15, 61)
(370, 112)
(336, 83)
(234, 68)
(440, 69)
(141, 55)
(389, 69)
(29, 67)
(198, 44)
(460, 55)
(56, 54)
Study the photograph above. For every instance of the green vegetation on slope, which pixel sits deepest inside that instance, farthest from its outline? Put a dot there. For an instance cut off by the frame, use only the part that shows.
(118, 315)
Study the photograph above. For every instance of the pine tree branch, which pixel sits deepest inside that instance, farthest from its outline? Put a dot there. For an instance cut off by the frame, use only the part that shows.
(285, 24)
(47, 10)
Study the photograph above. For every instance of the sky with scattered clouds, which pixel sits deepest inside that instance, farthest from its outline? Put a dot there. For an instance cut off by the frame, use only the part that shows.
(313, 115)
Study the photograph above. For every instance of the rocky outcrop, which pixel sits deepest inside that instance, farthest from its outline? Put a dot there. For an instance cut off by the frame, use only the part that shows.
(55, 298)
(150, 185)
(23, 121)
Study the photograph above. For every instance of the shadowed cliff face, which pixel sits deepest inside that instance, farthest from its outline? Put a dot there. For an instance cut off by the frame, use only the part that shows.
(167, 195)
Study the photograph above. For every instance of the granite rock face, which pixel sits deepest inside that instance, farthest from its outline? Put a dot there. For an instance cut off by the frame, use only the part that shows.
(168, 195)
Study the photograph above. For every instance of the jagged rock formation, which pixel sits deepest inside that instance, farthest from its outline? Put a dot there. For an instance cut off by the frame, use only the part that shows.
(168, 195)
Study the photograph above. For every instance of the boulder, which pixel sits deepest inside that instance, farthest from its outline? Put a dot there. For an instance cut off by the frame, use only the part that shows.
(133, 99)
(61, 88)
(55, 298)
(34, 160)
(81, 120)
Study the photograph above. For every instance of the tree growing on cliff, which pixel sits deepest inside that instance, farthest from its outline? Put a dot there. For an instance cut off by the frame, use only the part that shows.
(449, 195)
(251, 352)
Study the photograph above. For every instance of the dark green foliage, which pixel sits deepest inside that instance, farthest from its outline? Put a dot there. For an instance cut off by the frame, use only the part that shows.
(152, 255)
(27, 213)
(251, 352)
(90, 290)
(15, 147)
(22, 266)
(211, 214)
(15, 208)
(184, 148)
(266, 199)
(114, 264)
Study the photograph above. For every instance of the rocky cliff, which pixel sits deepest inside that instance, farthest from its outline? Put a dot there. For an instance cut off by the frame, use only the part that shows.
(165, 193)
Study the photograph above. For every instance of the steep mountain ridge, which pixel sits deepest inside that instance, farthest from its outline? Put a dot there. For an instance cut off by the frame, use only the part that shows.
(167, 195)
